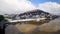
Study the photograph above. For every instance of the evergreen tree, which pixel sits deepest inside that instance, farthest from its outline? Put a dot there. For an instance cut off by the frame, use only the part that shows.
(1, 18)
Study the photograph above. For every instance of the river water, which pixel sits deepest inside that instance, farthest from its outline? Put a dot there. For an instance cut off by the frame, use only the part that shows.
(53, 27)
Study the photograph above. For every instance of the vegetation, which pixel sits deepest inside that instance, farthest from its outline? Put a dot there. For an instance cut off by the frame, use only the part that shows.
(1, 18)
(37, 22)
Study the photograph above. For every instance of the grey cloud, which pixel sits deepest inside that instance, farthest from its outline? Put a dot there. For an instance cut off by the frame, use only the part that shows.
(50, 7)
(15, 6)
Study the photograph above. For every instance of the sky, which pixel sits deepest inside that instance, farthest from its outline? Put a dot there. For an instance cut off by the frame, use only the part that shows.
(20, 6)
(36, 2)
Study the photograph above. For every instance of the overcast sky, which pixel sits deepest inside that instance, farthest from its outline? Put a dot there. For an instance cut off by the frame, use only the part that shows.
(20, 6)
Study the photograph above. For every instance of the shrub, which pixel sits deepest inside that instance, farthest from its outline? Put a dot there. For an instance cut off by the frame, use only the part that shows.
(1, 18)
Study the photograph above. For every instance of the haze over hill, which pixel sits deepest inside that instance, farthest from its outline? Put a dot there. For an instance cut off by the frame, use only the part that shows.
(36, 14)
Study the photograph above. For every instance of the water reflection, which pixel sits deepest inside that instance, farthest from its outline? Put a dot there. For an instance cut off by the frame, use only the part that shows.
(53, 27)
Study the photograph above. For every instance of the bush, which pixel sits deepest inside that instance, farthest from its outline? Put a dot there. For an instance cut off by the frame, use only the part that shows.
(1, 18)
